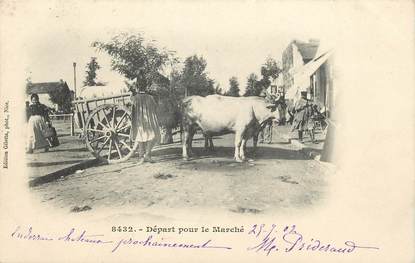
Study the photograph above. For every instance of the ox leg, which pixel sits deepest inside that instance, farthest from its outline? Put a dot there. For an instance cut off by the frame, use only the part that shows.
(185, 143)
(211, 146)
(238, 143)
(209, 143)
(243, 149)
(206, 142)
(254, 144)
(192, 132)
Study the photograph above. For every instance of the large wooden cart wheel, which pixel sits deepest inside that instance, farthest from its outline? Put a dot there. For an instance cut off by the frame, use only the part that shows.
(107, 133)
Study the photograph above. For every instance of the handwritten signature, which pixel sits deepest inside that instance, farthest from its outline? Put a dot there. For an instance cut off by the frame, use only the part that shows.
(290, 241)
(99, 239)
(266, 240)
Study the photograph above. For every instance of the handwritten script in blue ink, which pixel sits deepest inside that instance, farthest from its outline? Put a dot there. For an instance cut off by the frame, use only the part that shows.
(268, 239)
(82, 236)
(265, 240)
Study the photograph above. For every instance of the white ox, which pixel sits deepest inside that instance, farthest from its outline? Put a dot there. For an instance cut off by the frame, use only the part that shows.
(218, 115)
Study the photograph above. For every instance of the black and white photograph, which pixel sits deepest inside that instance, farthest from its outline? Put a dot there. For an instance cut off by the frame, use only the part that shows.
(169, 134)
(191, 131)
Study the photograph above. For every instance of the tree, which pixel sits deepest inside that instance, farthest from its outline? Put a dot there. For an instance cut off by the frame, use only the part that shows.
(142, 64)
(194, 79)
(91, 73)
(252, 85)
(136, 59)
(270, 69)
(61, 97)
(168, 105)
(233, 87)
(28, 80)
(218, 90)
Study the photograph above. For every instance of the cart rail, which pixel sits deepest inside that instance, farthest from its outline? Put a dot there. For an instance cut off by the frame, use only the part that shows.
(105, 123)
(107, 98)
(84, 107)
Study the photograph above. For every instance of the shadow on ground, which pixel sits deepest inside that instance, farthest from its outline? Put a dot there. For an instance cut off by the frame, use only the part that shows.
(43, 164)
(264, 153)
(83, 149)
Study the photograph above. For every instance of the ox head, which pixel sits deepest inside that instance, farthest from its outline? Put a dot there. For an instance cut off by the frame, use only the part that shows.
(265, 111)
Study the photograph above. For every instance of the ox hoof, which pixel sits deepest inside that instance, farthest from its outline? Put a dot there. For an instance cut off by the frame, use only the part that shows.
(186, 159)
(238, 160)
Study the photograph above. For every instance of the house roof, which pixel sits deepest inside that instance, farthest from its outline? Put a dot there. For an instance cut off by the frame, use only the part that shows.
(307, 50)
(45, 87)
(311, 67)
(302, 75)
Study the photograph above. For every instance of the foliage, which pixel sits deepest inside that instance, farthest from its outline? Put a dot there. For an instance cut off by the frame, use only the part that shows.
(270, 69)
(194, 79)
(142, 63)
(91, 73)
(61, 97)
(233, 90)
(136, 59)
(253, 86)
(168, 106)
(28, 80)
(218, 90)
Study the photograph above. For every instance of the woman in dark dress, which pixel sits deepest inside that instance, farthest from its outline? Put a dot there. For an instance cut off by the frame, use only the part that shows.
(303, 121)
(38, 121)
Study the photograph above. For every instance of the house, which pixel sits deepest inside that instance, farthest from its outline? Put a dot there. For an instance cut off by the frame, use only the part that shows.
(295, 55)
(307, 66)
(43, 89)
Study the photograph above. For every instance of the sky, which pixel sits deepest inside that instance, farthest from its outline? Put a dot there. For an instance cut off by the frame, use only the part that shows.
(235, 37)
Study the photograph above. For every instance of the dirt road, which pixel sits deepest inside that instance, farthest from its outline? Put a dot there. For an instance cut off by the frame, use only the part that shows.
(280, 177)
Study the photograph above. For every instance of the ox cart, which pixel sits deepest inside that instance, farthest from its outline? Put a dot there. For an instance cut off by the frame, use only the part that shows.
(106, 126)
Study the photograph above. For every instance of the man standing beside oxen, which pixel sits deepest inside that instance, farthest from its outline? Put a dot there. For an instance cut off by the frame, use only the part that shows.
(145, 124)
(265, 135)
(277, 99)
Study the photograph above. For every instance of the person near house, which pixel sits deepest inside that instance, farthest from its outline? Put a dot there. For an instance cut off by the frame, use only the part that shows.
(303, 117)
(290, 112)
(282, 109)
(38, 121)
(144, 123)
(265, 135)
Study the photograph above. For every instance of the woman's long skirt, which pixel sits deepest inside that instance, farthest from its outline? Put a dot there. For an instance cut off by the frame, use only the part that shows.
(145, 124)
(35, 139)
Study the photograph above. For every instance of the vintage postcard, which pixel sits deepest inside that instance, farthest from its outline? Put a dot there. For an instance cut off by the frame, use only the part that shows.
(207, 131)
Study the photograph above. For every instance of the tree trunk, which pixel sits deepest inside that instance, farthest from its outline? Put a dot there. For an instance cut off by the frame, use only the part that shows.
(166, 136)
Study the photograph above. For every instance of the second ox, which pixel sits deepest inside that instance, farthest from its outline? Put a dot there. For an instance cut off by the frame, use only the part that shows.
(218, 115)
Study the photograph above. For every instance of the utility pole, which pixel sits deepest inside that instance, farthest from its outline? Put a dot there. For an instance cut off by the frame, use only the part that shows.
(74, 77)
